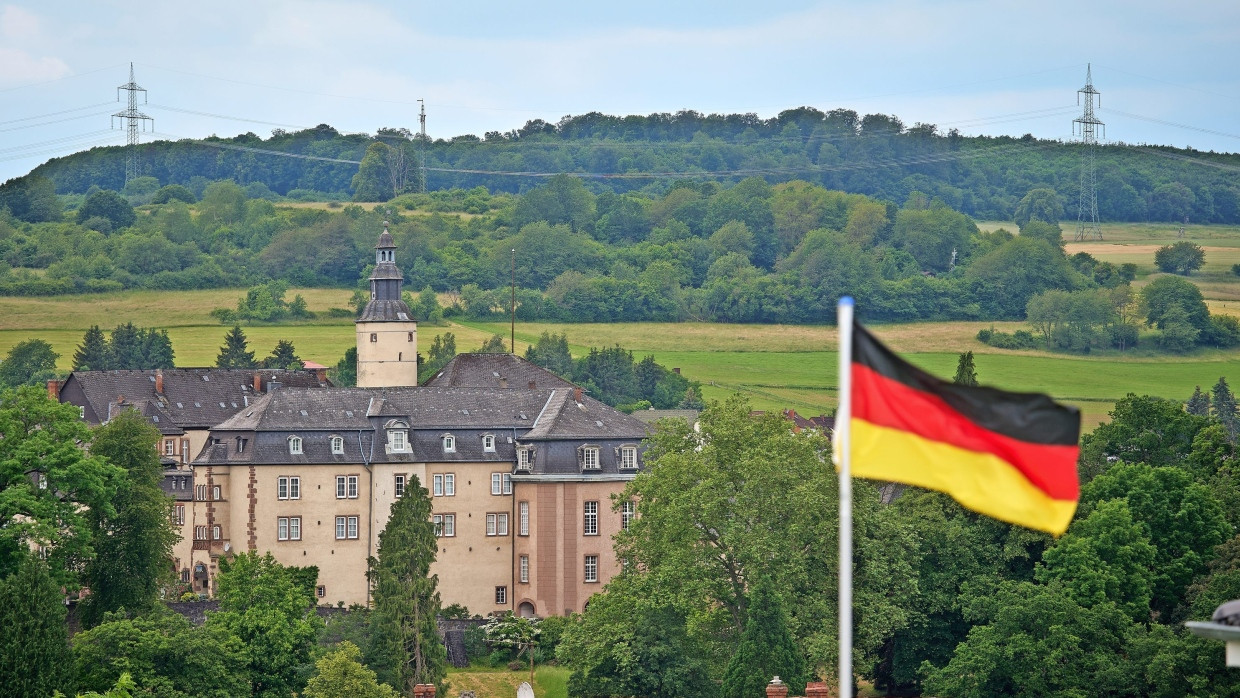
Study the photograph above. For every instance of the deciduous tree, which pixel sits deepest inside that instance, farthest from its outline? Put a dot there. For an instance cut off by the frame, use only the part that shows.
(31, 362)
(341, 673)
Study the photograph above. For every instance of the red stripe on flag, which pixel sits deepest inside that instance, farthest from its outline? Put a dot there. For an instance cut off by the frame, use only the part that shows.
(886, 402)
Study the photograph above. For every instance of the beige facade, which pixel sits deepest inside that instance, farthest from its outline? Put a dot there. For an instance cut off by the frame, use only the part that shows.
(387, 354)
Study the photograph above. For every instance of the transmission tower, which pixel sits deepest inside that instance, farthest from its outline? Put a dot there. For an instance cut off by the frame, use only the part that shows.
(1088, 125)
(132, 117)
(422, 147)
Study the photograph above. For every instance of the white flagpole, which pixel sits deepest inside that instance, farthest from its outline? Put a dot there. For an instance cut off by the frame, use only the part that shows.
(843, 461)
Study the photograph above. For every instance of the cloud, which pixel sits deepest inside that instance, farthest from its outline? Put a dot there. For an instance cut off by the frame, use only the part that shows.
(18, 67)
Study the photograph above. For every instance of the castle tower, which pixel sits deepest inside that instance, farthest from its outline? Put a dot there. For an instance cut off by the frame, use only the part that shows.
(387, 333)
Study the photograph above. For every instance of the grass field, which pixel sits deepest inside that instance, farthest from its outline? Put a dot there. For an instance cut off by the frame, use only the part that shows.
(549, 682)
(776, 366)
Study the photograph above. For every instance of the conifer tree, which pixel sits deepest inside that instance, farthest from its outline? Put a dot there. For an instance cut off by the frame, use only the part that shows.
(34, 640)
(92, 354)
(406, 600)
(156, 349)
(235, 352)
(134, 544)
(283, 356)
(766, 650)
(345, 373)
(126, 347)
(443, 348)
(966, 374)
(1199, 403)
(1223, 403)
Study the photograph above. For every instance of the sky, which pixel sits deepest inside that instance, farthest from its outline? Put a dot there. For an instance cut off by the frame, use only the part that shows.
(1166, 71)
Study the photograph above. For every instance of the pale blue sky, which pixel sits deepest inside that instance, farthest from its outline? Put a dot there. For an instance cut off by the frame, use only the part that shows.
(1167, 73)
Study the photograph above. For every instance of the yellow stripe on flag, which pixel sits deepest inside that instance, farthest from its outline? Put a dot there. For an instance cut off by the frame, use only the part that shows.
(982, 482)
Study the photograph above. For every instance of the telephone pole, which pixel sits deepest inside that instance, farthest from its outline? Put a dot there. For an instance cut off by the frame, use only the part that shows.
(1088, 125)
(132, 117)
(422, 146)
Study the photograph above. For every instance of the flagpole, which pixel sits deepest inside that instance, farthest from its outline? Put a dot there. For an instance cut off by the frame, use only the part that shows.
(843, 462)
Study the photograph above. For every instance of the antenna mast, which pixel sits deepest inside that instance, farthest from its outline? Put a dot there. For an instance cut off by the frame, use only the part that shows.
(1088, 125)
(132, 117)
(422, 147)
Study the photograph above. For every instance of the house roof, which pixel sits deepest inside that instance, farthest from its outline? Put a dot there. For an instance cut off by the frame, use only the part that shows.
(191, 398)
(386, 311)
(494, 371)
(563, 417)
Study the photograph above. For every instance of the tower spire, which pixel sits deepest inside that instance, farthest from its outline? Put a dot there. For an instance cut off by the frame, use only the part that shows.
(387, 333)
(1088, 126)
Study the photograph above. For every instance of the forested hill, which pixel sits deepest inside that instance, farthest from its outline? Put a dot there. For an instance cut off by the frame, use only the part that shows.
(875, 155)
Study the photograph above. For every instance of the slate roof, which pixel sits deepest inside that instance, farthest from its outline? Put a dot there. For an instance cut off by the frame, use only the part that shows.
(386, 311)
(193, 398)
(494, 371)
(565, 418)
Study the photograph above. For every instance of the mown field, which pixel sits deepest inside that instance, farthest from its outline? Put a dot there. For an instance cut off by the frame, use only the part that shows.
(776, 366)
(549, 682)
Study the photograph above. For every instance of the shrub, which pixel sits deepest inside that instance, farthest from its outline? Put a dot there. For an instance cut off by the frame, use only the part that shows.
(475, 642)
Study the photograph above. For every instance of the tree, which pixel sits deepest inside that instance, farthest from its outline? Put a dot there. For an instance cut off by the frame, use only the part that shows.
(493, 345)
(92, 353)
(1178, 333)
(1143, 429)
(443, 349)
(744, 498)
(1038, 205)
(563, 199)
(263, 604)
(406, 600)
(135, 542)
(766, 649)
(31, 362)
(1167, 291)
(514, 632)
(345, 373)
(156, 349)
(110, 206)
(284, 355)
(34, 640)
(173, 192)
(125, 347)
(551, 352)
(341, 673)
(1199, 403)
(235, 353)
(49, 485)
(1183, 257)
(1223, 407)
(966, 374)
(164, 654)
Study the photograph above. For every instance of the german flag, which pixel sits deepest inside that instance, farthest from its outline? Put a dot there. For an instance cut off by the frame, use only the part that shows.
(1011, 456)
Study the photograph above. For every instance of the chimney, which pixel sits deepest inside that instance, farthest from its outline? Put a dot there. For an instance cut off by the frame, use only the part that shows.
(53, 389)
(776, 689)
(532, 385)
(159, 381)
(258, 383)
(676, 370)
(424, 690)
(577, 395)
(503, 382)
(816, 689)
(320, 375)
(273, 386)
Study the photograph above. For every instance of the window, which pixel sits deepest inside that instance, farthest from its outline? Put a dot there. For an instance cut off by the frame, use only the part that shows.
(200, 493)
(337, 445)
(497, 524)
(215, 493)
(282, 528)
(628, 457)
(170, 447)
(184, 450)
(240, 445)
(445, 525)
(628, 510)
(200, 533)
(400, 485)
(449, 443)
(340, 487)
(352, 487)
(410, 336)
(294, 445)
(591, 572)
(589, 525)
(503, 525)
(488, 443)
(294, 528)
(185, 575)
(294, 488)
(81, 413)
(282, 488)
(589, 458)
(374, 336)
(178, 514)
(353, 527)
(523, 459)
(523, 518)
(397, 441)
(501, 483)
(215, 532)
(346, 527)
(507, 483)
(340, 528)
(321, 591)
(437, 485)
(525, 569)
(449, 485)
(501, 595)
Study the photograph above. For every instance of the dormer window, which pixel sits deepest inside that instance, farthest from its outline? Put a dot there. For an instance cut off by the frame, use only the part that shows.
(628, 457)
(449, 443)
(523, 458)
(397, 436)
(588, 455)
(294, 445)
(488, 443)
(337, 445)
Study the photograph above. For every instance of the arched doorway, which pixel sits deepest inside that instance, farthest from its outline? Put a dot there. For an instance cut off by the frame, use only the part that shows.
(526, 609)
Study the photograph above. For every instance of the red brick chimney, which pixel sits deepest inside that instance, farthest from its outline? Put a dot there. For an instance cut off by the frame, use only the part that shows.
(258, 383)
(320, 375)
(676, 370)
(53, 389)
(159, 381)
(817, 689)
(533, 385)
(424, 690)
(776, 689)
(577, 395)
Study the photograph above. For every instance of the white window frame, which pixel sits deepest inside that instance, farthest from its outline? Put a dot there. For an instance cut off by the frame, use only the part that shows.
(200, 533)
(352, 486)
(437, 485)
(340, 487)
(445, 525)
(449, 484)
(216, 532)
(628, 512)
(523, 458)
(523, 518)
(294, 445)
(491, 524)
(398, 441)
(170, 447)
(340, 528)
(590, 458)
(524, 568)
(590, 573)
(352, 525)
(282, 487)
(628, 457)
(294, 528)
(282, 528)
(337, 445)
(294, 487)
(449, 443)
(501, 596)
(215, 493)
(398, 485)
(178, 514)
(507, 483)
(502, 521)
(589, 518)
(497, 483)
(488, 443)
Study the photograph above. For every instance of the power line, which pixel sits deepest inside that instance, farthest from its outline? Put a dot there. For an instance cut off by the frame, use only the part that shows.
(132, 117)
(1087, 204)
(54, 121)
(55, 113)
(1173, 123)
(63, 77)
